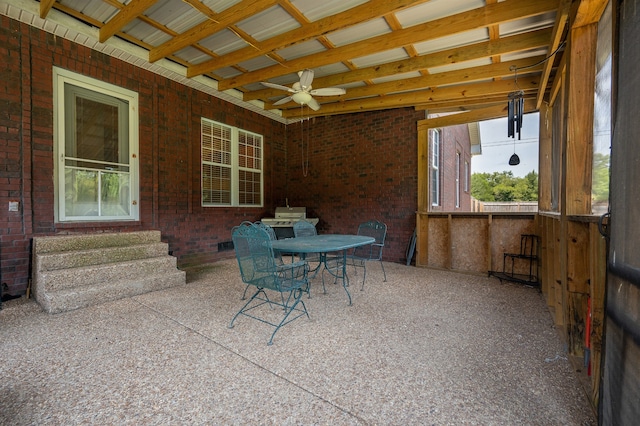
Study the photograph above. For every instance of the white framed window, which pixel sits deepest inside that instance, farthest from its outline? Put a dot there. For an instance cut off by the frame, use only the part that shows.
(458, 180)
(232, 163)
(96, 147)
(435, 167)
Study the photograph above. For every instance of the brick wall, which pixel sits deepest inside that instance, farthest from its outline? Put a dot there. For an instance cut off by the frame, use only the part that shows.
(453, 139)
(169, 152)
(357, 167)
(15, 159)
(360, 166)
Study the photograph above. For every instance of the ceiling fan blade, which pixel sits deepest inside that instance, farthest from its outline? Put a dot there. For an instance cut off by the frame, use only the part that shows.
(277, 86)
(313, 104)
(328, 91)
(282, 101)
(306, 77)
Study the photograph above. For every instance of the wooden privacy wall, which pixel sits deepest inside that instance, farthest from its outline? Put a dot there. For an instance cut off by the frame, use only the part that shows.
(470, 242)
(571, 271)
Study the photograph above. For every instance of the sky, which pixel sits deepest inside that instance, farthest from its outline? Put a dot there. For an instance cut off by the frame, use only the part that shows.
(497, 148)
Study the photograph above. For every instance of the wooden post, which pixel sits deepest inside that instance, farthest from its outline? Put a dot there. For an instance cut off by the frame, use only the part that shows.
(579, 157)
(576, 179)
(422, 217)
(544, 158)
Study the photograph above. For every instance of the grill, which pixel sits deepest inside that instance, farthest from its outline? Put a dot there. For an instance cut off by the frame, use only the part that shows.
(285, 217)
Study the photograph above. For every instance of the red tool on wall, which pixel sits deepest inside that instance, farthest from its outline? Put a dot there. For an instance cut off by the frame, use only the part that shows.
(587, 339)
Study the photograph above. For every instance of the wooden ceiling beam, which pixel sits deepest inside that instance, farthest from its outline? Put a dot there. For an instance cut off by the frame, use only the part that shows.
(202, 8)
(489, 113)
(365, 12)
(123, 17)
(493, 14)
(456, 105)
(45, 7)
(486, 49)
(460, 92)
(588, 12)
(464, 76)
(556, 40)
(228, 17)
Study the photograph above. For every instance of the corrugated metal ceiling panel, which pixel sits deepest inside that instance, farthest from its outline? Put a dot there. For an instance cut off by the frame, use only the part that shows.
(239, 43)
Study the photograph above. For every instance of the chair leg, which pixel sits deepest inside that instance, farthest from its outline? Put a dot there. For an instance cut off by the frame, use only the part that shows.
(297, 294)
(383, 271)
(244, 294)
(242, 310)
(364, 274)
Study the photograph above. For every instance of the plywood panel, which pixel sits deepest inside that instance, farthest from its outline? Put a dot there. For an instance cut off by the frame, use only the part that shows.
(505, 237)
(438, 242)
(468, 244)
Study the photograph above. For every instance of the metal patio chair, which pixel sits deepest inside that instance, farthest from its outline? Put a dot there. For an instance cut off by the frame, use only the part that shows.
(277, 256)
(302, 228)
(361, 255)
(258, 268)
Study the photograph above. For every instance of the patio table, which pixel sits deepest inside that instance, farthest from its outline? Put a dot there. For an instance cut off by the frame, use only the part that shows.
(323, 244)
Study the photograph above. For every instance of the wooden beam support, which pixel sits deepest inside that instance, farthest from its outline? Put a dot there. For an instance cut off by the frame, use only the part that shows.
(45, 7)
(463, 76)
(556, 39)
(581, 88)
(234, 14)
(486, 49)
(589, 12)
(544, 157)
(471, 116)
(123, 17)
(361, 13)
(409, 99)
(465, 21)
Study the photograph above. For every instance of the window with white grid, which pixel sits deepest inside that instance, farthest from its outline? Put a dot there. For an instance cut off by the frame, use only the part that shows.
(231, 166)
(96, 147)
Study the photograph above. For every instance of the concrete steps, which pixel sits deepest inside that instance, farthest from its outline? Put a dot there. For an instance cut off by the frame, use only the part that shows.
(75, 271)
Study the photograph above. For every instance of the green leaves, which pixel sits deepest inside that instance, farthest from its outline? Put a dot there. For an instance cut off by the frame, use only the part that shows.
(503, 186)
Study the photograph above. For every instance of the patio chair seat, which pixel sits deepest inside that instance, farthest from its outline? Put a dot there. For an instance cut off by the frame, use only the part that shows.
(259, 268)
(364, 254)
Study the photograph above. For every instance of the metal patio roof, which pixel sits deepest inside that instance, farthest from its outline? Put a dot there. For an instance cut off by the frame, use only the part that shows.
(437, 55)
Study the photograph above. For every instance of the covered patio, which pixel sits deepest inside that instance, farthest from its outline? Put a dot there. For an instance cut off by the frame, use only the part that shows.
(426, 347)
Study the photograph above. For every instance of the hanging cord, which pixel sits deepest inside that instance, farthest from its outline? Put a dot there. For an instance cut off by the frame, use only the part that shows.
(542, 61)
(305, 161)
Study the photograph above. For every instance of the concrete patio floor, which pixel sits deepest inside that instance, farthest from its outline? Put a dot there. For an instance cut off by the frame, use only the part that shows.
(425, 347)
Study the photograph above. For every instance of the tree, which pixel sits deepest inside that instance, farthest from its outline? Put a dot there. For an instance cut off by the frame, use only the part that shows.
(503, 186)
(600, 179)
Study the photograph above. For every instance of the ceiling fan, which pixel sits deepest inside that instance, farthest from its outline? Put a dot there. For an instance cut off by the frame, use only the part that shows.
(302, 93)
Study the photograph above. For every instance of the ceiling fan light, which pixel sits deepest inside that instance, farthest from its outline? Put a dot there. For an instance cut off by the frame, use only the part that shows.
(301, 98)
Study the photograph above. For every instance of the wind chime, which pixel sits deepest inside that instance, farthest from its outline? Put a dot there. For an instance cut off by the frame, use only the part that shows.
(515, 108)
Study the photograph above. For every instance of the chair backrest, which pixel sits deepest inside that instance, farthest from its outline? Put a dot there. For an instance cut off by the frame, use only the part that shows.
(528, 245)
(377, 230)
(269, 229)
(302, 228)
(255, 256)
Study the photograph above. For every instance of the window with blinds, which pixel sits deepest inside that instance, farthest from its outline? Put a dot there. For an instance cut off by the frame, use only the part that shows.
(232, 162)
